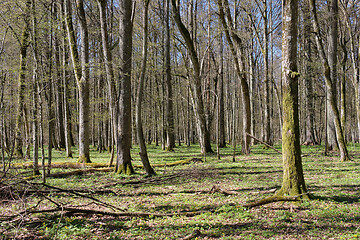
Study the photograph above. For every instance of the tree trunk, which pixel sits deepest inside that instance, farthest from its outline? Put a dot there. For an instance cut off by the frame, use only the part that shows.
(66, 93)
(354, 55)
(196, 88)
(123, 163)
(267, 81)
(81, 70)
(330, 71)
(170, 144)
(24, 43)
(220, 95)
(240, 69)
(34, 94)
(140, 134)
(293, 178)
(308, 75)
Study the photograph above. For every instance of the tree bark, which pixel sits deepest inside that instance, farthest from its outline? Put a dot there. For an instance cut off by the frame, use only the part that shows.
(293, 178)
(81, 70)
(34, 93)
(220, 94)
(330, 71)
(123, 163)
(309, 78)
(109, 72)
(224, 12)
(140, 134)
(196, 88)
(170, 143)
(24, 43)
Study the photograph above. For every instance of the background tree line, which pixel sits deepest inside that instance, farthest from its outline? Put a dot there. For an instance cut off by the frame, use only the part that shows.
(117, 73)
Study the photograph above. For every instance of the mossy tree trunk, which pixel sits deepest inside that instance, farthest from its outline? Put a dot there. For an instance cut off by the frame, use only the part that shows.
(293, 178)
(24, 44)
(123, 163)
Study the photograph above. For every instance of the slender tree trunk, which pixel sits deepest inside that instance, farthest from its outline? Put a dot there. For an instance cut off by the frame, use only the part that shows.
(24, 43)
(220, 94)
(34, 93)
(81, 70)
(240, 69)
(196, 88)
(354, 55)
(140, 134)
(170, 144)
(109, 72)
(66, 93)
(267, 80)
(330, 71)
(308, 75)
(293, 178)
(123, 164)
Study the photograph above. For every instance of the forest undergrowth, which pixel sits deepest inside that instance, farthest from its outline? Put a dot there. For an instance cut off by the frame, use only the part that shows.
(200, 199)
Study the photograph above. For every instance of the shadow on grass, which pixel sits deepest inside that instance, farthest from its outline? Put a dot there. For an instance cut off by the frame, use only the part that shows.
(342, 198)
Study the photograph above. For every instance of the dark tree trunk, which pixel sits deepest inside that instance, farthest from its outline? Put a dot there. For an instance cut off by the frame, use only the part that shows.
(170, 143)
(123, 164)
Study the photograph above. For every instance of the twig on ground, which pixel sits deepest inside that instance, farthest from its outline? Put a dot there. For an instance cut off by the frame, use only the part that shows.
(196, 233)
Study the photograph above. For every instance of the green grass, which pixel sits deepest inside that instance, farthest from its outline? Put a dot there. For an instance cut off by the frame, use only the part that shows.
(333, 214)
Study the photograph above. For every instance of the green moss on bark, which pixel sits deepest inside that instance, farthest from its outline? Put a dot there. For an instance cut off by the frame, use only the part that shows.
(84, 159)
(126, 169)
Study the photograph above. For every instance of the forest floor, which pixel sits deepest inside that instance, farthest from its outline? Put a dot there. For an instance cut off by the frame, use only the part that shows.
(178, 202)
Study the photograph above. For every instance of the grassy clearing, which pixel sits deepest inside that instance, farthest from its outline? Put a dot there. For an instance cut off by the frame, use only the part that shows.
(334, 214)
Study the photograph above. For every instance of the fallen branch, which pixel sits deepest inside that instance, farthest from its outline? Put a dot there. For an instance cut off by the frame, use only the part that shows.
(195, 234)
(72, 210)
(218, 189)
(76, 165)
(269, 146)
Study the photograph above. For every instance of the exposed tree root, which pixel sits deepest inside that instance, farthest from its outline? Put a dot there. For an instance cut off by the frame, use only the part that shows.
(261, 202)
(271, 199)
